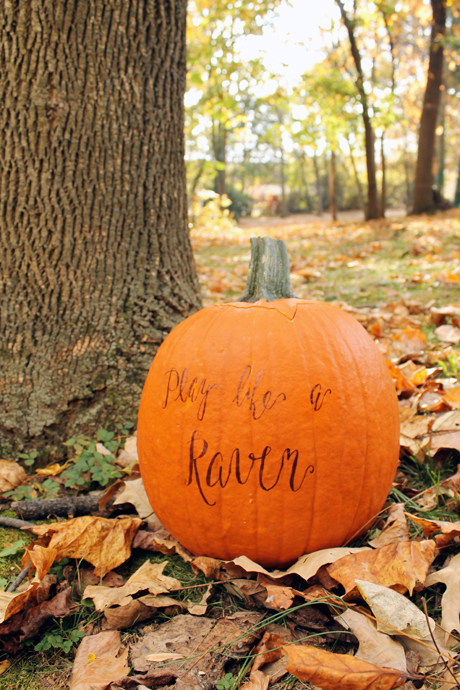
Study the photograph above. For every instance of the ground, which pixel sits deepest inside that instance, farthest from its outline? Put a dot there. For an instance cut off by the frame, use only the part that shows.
(394, 275)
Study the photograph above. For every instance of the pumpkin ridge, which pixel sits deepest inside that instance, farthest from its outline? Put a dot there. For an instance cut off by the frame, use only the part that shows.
(315, 474)
(345, 341)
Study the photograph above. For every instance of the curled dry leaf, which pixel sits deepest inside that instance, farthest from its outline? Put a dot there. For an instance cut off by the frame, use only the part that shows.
(200, 608)
(11, 475)
(12, 602)
(149, 577)
(4, 666)
(138, 610)
(104, 543)
(100, 660)
(330, 671)
(51, 470)
(395, 528)
(374, 646)
(450, 576)
(28, 622)
(402, 566)
(449, 530)
(393, 611)
(258, 680)
(134, 493)
(162, 542)
(278, 597)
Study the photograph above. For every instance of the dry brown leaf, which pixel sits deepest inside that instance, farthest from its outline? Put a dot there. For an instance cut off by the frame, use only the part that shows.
(193, 637)
(269, 657)
(161, 541)
(257, 681)
(448, 487)
(201, 607)
(448, 421)
(417, 426)
(12, 602)
(450, 576)
(448, 334)
(11, 475)
(278, 597)
(138, 610)
(100, 660)
(452, 397)
(402, 566)
(426, 650)
(27, 623)
(331, 671)
(149, 577)
(449, 439)
(374, 646)
(104, 543)
(165, 656)
(129, 454)
(134, 493)
(395, 528)
(449, 530)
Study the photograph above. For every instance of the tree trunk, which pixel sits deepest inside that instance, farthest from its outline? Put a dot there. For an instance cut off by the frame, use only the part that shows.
(383, 191)
(357, 180)
(441, 156)
(319, 187)
(332, 195)
(423, 189)
(219, 140)
(284, 211)
(457, 189)
(372, 206)
(96, 260)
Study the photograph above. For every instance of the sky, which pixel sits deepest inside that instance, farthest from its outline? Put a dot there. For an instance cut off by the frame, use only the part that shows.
(293, 44)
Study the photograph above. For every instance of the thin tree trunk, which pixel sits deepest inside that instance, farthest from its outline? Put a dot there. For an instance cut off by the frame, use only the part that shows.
(441, 157)
(96, 261)
(332, 190)
(423, 189)
(383, 194)
(457, 189)
(319, 187)
(284, 211)
(359, 186)
(372, 207)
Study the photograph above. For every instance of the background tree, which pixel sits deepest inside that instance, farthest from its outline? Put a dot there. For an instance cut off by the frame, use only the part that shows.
(96, 261)
(423, 195)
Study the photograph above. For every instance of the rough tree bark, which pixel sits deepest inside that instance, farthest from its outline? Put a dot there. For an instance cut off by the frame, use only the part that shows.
(96, 261)
(372, 197)
(423, 189)
(319, 187)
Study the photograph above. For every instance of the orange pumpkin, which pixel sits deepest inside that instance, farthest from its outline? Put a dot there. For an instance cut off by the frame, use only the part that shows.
(268, 428)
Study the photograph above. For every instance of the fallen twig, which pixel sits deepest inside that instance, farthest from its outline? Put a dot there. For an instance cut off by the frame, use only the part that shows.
(22, 575)
(14, 522)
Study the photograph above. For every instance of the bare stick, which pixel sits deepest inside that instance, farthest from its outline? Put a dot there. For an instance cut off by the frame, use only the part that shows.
(22, 575)
(14, 522)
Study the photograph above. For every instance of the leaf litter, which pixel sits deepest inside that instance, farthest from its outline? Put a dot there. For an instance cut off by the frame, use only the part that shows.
(190, 620)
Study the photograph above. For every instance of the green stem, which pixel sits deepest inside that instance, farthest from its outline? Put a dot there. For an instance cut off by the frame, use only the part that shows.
(268, 276)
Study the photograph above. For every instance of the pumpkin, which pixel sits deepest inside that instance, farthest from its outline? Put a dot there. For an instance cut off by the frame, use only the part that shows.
(268, 427)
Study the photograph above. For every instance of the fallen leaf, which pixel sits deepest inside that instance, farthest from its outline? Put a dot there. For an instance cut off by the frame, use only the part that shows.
(395, 528)
(11, 475)
(138, 610)
(448, 487)
(161, 541)
(201, 607)
(104, 543)
(450, 439)
(448, 334)
(193, 637)
(100, 659)
(149, 577)
(4, 666)
(12, 602)
(393, 611)
(134, 493)
(426, 649)
(417, 426)
(400, 381)
(128, 455)
(27, 623)
(450, 576)
(165, 656)
(51, 470)
(448, 421)
(331, 671)
(449, 530)
(278, 597)
(452, 397)
(374, 646)
(403, 566)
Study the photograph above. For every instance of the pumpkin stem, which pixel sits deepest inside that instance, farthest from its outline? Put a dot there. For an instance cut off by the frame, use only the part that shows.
(268, 276)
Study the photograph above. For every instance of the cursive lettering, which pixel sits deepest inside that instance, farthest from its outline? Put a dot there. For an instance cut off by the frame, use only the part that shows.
(317, 397)
(208, 473)
(246, 391)
(193, 391)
